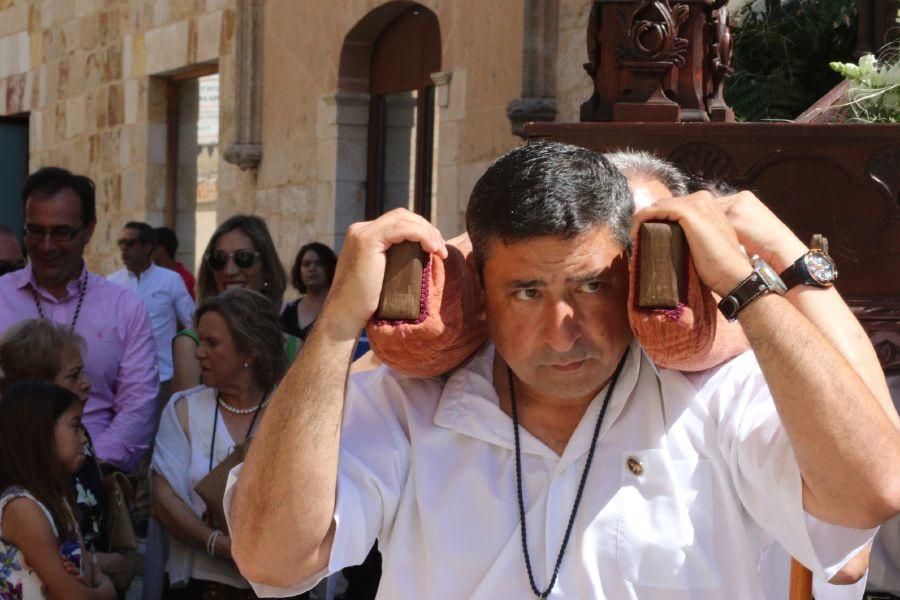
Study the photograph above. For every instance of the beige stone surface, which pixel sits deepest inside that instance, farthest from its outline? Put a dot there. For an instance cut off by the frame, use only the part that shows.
(92, 73)
(167, 47)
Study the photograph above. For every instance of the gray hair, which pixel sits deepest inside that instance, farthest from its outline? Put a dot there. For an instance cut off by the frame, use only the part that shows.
(32, 349)
(253, 323)
(638, 163)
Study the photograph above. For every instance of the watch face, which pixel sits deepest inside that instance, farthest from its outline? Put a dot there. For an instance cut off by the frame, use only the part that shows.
(820, 267)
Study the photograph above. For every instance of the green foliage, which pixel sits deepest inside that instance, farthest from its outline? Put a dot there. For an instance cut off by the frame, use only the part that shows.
(874, 94)
(782, 52)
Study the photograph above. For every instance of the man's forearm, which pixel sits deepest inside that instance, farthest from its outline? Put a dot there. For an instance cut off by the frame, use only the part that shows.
(828, 312)
(846, 446)
(284, 500)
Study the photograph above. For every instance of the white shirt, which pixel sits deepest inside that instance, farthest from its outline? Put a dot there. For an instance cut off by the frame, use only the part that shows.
(428, 469)
(167, 300)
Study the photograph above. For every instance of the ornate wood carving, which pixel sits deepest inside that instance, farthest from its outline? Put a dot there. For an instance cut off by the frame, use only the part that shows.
(658, 61)
(884, 170)
(720, 68)
(649, 52)
(706, 161)
(880, 317)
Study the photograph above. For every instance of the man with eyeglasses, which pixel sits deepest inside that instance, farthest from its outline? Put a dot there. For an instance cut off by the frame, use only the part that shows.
(120, 358)
(11, 258)
(163, 292)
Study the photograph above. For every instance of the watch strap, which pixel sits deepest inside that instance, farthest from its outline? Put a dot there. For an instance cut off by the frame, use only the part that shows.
(743, 294)
(797, 274)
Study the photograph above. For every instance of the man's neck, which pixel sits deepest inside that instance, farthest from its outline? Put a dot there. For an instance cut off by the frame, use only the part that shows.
(167, 263)
(139, 270)
(59, 289)
(552, 421)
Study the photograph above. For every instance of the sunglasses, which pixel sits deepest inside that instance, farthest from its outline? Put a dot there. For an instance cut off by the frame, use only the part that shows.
(126, 243)
(62, 233)
(243, 259)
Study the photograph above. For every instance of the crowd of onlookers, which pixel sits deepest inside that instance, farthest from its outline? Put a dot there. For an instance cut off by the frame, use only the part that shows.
(126, 397)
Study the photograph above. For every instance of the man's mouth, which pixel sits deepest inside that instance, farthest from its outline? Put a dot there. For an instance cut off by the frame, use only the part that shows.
(569, 366)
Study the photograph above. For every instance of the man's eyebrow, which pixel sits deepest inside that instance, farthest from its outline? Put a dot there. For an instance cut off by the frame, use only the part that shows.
(600, 275)
(525, 283)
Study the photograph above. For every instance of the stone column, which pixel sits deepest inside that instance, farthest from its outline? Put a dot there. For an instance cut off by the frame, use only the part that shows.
(538, 101)
(246, 152)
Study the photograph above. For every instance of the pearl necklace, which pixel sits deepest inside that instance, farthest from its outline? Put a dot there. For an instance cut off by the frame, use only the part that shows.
(242, 411)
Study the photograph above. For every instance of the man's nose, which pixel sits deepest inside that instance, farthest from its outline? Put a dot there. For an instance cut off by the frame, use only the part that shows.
(230, 266)
(561, 325)
(46, 244)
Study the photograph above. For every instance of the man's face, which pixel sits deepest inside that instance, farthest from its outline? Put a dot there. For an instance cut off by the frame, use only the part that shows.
(556, 311)
(135, 255)
(57, 237)
(11, 258)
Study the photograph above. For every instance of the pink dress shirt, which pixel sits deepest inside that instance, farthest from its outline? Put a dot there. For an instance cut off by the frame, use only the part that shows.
(121, 412)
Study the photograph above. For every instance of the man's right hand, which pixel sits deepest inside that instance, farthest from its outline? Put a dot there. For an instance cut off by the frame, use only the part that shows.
(359, 275)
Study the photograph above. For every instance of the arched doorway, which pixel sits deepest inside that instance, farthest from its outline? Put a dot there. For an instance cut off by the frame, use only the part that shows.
(384, 114)
(401, 114)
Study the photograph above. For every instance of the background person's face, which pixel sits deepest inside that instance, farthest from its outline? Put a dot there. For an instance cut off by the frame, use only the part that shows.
(219, 359)
(312, 271)
(71, 374)
(70, 439)
(233, 276)
(556, 311)
(56, 262)
(135, 255)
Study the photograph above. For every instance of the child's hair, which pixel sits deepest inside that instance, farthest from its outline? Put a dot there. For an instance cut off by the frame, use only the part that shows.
(29, 411)
(32, 349)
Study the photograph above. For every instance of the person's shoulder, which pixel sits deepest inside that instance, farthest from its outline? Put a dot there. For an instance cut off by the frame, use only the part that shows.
(118, 277)
(736, 368)
(167, 276)
(386, 385)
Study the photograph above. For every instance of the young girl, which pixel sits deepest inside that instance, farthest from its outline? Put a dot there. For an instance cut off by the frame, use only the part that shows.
(41, 446)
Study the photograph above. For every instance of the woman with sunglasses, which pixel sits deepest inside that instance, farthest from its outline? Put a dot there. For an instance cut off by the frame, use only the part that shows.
(240, 254)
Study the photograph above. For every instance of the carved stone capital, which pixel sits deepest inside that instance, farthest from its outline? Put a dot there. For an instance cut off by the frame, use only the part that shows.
(524, 110)
(245, 156)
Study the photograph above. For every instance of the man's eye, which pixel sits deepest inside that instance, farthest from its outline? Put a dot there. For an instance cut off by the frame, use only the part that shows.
(590, 287)
(526, 294)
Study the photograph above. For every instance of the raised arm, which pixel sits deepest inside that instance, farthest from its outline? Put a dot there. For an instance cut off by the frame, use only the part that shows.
(283, 505)
(825, 385)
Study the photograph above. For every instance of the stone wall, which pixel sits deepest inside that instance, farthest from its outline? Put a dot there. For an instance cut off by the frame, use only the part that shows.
(83, 69)
(92, 76)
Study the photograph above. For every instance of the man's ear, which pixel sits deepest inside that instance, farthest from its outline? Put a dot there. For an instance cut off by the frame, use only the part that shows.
(477, 286)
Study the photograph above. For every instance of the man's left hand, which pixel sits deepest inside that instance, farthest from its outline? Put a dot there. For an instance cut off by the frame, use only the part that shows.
(715, 248)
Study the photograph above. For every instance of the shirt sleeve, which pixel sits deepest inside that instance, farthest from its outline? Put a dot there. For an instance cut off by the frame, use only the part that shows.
(369, 482)
(184, 304)
(765, 473)
(128, 436)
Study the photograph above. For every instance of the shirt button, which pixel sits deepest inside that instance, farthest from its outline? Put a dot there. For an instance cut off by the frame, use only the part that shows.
(634, 465)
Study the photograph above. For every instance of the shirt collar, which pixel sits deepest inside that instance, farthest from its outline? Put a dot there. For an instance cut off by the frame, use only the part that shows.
(25, 277)
(469, 405)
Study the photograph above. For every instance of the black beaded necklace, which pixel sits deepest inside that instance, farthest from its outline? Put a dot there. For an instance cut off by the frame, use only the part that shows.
(584, 474)
(82, 289)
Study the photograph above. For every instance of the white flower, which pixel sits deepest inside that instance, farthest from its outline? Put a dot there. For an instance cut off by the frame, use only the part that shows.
(85, 496)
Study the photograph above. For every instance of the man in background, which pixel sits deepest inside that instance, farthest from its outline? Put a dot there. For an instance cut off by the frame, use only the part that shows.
(164, 256)
(163, 292)
(120, 361)
(11, 258)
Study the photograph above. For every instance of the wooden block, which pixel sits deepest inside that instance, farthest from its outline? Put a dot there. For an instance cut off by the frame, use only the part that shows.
(662, 265)
(401, 293)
